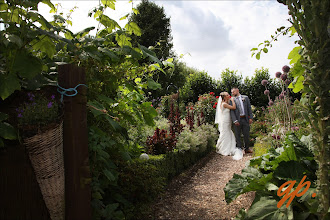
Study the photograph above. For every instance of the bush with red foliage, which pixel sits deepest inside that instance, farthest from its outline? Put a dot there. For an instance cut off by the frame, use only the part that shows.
(160, 142)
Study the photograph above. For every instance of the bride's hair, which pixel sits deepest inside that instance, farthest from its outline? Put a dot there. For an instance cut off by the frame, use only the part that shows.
(223, 95)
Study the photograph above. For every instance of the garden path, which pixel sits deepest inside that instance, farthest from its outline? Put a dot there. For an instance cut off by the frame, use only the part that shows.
(198, 194)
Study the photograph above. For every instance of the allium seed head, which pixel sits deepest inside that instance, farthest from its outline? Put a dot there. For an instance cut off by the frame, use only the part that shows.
(278, 74)
(284, 76)
(266, 92)
(287, 82)
(270, 103)
(264, 82)
(285, 69)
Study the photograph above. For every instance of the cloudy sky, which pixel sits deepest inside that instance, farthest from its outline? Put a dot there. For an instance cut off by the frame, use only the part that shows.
(213, 35)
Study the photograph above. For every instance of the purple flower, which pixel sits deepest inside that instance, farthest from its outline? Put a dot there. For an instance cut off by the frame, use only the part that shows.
(278, 137)
(31, 98)
(53, 97)
(264, 82)
(287, 81)
(278, 74)
(266, 92)
(270, 103)
(274, 136)
(284, 76)
(17, 109)
(20, 115)
(285, 69)
(29, 94)
(50, 104)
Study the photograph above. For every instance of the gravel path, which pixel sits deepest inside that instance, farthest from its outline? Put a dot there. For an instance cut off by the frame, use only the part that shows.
(198, 194)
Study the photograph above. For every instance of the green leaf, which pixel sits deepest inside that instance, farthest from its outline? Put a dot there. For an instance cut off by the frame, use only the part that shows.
(294, 55)
(153, 85)
(26, 66)
(46, 45)
(135, 11)
(83, 32)
(48, 2)
(258, 56)
(3, 6)
(123, 40)
(117, 127)
(265, 50)
(109, 53)
(109, 23)
(290, 170)
(109, 175)
(149, 113)
(11, 38)
(148, 53)
(236, 186)
(96, 108)
(7, 131)
(3, 116)
(133, 28)
(69, 22)
(254, 49)
(8, 85)
(266, 208)
(298, 84)
(109, 3)
(124, 17)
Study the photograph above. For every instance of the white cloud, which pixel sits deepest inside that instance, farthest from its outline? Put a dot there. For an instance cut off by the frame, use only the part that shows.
(216, 34)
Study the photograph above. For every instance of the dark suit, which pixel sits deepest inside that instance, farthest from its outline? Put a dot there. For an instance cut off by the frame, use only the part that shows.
(244, 126)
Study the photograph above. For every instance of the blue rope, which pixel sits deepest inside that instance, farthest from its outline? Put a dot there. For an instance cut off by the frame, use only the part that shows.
(63, 92)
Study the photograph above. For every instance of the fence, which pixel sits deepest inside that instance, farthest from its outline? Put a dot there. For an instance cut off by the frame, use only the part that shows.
(20, 196)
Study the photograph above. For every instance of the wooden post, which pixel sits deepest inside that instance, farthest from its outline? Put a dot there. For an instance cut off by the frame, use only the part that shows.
(75, 145)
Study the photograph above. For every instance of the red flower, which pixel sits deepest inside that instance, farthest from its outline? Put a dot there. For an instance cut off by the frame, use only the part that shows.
(217, 97)
(192, 108)
(212, 93)
(215, 103)
(214, 106)
(230, 96)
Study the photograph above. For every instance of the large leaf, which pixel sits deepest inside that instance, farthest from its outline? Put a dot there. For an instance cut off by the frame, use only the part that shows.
(290, 170)
(109, 3)
(109, 23)
(153, 85)
(109, 53)
(117, 127)
(83, 32)
(239, 182)
(7, 131)
(149, 113)
(8, 84)
(133, 28)
(294, 55)
(3, 116)
(46, 45)
(266, 208)
(26, 65)
(12, 38)
(123, 40)
(148, 53)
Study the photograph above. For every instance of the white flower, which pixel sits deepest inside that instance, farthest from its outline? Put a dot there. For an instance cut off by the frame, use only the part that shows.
(144, 156)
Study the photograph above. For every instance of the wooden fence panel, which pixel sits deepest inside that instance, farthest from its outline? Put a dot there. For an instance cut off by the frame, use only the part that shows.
(20, 196)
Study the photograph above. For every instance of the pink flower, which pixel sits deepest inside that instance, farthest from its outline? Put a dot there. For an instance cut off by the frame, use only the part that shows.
(50, 104)
(266, 92)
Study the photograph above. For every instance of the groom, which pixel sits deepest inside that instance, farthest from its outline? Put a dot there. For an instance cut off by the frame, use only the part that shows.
(242, 118)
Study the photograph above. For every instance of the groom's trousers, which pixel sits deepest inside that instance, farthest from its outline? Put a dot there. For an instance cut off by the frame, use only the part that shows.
(244, 127)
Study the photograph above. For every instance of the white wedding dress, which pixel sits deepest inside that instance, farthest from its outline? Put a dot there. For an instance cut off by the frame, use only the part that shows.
(226, 144)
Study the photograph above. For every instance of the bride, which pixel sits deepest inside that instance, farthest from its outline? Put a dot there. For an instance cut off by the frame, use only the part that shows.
(226, 144)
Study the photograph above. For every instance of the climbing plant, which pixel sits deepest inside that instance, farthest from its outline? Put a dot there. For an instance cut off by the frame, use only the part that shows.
(310, 21)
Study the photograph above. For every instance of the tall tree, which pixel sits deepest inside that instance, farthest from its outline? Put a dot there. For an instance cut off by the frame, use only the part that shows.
(155, 28)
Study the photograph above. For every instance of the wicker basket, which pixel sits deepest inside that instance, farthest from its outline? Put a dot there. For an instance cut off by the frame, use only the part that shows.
(46, 154)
